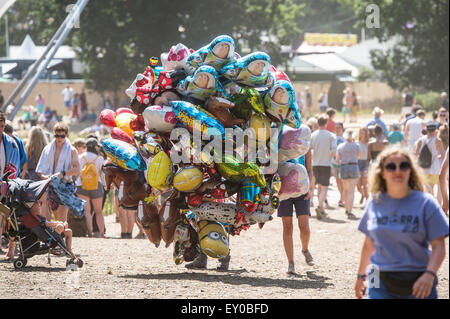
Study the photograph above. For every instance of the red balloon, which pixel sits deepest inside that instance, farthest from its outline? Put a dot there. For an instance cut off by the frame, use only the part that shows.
(138, 124)
(120, 135)
(124, 110)
(279, 75)
(108, 118)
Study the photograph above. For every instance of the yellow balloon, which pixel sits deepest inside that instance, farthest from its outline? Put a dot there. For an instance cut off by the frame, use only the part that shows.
(213, 239)
(187, 179)
(123, 122)
(261, 126)
(159, 174)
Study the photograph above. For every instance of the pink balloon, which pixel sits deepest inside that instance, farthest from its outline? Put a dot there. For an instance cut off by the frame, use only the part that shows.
(108, 118)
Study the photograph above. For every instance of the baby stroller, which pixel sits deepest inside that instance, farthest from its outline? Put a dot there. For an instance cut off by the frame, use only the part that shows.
(30, 233)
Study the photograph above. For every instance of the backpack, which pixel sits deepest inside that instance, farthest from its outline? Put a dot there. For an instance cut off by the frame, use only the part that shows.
(425, 157)
(89, 177)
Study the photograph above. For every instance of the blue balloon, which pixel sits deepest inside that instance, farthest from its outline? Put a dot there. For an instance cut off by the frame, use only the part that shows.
(123, 154)
(193, 117)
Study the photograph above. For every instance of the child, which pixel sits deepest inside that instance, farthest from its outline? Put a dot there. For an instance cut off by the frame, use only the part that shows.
(330, 124)
(396, 136)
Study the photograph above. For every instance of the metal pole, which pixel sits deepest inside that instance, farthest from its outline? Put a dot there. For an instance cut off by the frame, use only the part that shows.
(71, 22)
(6, 35)
(35, 65)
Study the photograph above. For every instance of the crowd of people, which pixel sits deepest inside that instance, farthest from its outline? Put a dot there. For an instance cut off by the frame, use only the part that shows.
(399, 169)
(42, 155)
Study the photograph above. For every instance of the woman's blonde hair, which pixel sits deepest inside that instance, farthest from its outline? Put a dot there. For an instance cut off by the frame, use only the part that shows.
(36, 142)
(366, 137)
(377, 184)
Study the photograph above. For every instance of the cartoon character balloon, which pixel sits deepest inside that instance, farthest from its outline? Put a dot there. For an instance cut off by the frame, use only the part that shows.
(294, 180)
(294, 143)
(176, 58)
(280, 104)
(203, 84)
(251, 70)
(217, 54)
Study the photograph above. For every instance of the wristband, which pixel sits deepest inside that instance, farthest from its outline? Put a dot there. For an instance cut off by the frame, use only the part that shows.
(363, 277)
(430, 272)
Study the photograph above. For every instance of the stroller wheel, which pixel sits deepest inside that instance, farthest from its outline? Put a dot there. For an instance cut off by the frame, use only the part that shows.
(80, 263)
(20, 263)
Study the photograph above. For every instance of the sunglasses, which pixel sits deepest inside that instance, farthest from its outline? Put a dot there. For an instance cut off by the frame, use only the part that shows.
(392, 167)
(60, 136)
(442, 115)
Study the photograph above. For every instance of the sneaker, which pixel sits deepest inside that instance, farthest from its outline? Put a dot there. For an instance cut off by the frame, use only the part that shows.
(308, 258)
(291, 269)
(341, 204)
(318, 213)
(350, 215)
(327, 206)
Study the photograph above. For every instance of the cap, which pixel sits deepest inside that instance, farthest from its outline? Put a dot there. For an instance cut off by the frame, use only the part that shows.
(431, 125)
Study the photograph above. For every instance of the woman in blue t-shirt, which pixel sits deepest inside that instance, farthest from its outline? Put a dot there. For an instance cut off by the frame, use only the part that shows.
(400, 222)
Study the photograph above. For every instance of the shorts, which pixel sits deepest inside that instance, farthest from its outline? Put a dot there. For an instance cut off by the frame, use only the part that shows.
(349, 171)
(96, 193)
(302, 207)
(335, 170)
(68, 104)
(432, 179)
(323, 108)
(362, 165)
(322, 175)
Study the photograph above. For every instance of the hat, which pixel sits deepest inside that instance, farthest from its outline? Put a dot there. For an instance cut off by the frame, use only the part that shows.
(431, 125)
(92, 142)
(377, 110)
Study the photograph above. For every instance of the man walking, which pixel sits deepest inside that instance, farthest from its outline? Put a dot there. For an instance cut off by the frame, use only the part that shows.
(323, 145)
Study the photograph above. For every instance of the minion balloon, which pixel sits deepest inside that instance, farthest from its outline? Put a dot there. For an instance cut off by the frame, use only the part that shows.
(216, 54)
(213, 239)
(280, 104)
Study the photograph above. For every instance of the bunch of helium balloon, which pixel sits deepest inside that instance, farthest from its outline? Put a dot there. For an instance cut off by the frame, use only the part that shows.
(183, 154)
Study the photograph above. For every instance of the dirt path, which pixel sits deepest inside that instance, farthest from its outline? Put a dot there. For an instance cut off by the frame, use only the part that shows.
(134, 268)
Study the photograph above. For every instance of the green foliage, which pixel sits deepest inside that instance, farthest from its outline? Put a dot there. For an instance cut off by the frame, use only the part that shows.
(365, 74)
(431, 101)
(420, 56)
(116, 38)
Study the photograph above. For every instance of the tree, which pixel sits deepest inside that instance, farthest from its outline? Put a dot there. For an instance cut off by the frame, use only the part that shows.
(420, 55)
(116, 38)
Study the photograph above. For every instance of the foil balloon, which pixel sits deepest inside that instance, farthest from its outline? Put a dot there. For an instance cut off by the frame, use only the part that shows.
(219, 107)
(187, 179)
(108, 118)
(148, 218)
(159, 118)
(251, 70)
(260, 127)
(123, 121)
(176, 58)
(278, 75)
(159, 173)
(203, 84)
(280, 104)
(148, 146)
(294, 180)
(228, 213)
(249, 196)
(123, 154)
(217, 54)
(232, 169)
(120, 135)
(213, 239)
(194, 117)
(294, 143)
